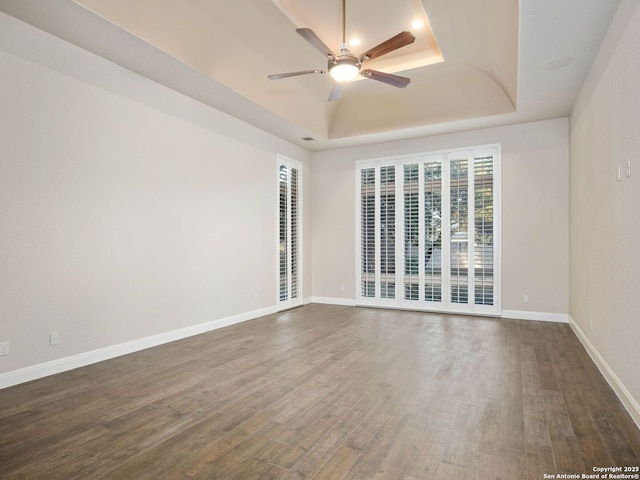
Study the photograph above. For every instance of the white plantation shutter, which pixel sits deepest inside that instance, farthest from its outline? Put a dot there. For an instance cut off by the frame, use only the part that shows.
(293, 223)
(459, 230)
(433, 230)
(483, 244)
(368, 233)
(387, 232)
(289, 232)
(283, 229)
(429, 230)
(412, 237)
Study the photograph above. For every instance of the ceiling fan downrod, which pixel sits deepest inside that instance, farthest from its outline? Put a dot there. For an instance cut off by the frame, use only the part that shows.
(346, 66)
(344, 22)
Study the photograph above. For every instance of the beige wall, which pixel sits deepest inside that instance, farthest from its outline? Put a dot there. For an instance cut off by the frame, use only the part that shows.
(127, 210)
(605, 213)
(534, 212)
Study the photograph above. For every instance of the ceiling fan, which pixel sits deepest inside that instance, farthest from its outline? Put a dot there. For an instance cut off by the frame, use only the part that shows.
(345, 67)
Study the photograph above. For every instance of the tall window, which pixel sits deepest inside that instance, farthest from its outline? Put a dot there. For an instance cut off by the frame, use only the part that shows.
(289, 232)
(429, 231)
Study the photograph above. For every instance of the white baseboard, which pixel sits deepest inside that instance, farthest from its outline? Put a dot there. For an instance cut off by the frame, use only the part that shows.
(630, 403)
(41, 370)
(536, 316)
(514, 314)
(346, 302)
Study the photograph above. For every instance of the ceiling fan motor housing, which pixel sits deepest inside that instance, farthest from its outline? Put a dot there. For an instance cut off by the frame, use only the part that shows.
(344, 68)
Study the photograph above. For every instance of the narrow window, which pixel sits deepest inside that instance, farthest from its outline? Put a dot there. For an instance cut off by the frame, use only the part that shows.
(289, 232)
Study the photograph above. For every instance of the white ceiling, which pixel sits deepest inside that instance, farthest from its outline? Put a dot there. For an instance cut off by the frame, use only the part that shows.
(220, 53)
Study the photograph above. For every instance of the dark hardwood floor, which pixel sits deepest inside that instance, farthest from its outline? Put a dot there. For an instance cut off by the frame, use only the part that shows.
(327, 392)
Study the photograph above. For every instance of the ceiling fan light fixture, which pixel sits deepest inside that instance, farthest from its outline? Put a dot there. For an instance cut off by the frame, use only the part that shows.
(344, 69)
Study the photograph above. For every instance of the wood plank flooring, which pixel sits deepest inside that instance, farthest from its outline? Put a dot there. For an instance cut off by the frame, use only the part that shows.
(327, 392)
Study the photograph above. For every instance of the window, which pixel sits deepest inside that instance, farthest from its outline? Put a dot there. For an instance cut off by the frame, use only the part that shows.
(429, 231)
(289, 233)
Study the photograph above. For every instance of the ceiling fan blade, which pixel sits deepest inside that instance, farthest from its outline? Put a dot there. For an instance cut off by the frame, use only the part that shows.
(310, 36)
(399, 41)
(388, 78)
(277, 76)
(336, 92)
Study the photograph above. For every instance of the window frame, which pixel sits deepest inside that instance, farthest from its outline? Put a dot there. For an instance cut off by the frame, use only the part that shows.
(445, 304)
(290, 300)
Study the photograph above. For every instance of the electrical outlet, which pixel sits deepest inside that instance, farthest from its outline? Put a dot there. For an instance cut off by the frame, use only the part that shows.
(342, 288)
(54, 338)
(628, 168)
(526, 299)
(4, 349)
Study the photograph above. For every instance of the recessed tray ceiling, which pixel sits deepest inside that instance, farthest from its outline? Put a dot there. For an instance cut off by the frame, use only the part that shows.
(471, 71)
